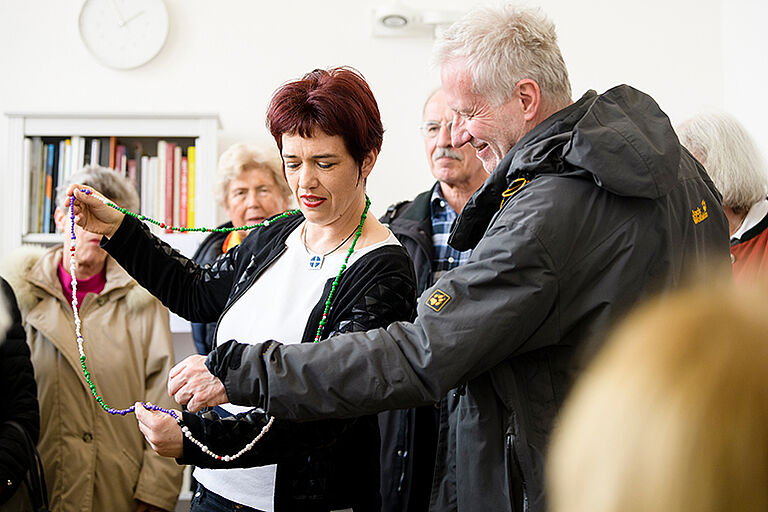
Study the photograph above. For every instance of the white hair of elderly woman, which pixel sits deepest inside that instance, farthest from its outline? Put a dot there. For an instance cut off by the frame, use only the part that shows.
(730, 156)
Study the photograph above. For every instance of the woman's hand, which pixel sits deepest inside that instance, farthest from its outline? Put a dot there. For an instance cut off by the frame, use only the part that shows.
(161, 431)
(191, 384)
(91, 214)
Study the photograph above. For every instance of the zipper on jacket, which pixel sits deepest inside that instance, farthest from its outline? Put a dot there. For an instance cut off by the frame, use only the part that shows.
(517, 495)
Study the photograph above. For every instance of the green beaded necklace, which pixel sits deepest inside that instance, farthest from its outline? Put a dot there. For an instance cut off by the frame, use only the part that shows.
(172, 413)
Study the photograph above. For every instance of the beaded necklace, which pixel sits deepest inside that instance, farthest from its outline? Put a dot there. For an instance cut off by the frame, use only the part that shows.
(185, 430)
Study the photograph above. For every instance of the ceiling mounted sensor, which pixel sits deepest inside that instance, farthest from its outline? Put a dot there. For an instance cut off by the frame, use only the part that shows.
(395, 19)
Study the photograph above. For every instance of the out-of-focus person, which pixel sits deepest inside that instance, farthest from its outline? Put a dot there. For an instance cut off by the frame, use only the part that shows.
(18, 403)
(94, 461)
(251, 187)
(409, 436)
(735, 164)
(672, 414)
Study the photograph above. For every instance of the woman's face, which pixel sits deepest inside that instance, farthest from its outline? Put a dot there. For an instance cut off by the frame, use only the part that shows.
(253, 197)
(324, 177)
(89, 254)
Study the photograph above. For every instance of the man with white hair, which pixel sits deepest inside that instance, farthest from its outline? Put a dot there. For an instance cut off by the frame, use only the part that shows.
(590, 206)
(409, 436)
(733, 161)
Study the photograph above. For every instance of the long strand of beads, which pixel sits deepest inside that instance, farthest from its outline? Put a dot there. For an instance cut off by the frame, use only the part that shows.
(359, 232)
(185, 430)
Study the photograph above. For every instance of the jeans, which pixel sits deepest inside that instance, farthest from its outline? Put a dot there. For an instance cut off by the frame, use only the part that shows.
(206, 501)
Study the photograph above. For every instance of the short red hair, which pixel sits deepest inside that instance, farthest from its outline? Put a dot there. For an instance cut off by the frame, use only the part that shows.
(336, 101)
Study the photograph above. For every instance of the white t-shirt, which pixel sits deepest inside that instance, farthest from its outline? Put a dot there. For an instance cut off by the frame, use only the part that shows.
(276, 306)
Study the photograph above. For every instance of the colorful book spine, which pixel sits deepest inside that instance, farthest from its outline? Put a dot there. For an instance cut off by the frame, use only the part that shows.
(48, 189)
(160, 181)
(177, 186)
(112, 150)
(191, 182)
(170, 150)
(132, 172)
(184, 191)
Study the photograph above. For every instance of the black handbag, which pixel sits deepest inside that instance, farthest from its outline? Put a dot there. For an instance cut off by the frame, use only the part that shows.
(34, 479)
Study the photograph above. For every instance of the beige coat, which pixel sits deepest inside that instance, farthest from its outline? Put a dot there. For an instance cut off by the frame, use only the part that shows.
(95, 461)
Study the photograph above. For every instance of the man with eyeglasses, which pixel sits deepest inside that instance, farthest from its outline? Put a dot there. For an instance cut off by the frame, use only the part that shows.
(409, 436)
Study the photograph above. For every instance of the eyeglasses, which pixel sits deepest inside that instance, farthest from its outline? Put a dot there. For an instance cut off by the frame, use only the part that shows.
(431, 129)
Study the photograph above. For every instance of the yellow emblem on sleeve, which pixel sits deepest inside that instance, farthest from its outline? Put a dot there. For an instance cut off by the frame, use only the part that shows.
(438, 299)
(699, 214)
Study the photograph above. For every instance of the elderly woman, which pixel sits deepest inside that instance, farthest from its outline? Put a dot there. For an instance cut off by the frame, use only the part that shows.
(250, 186)
(733, 161)
(94, 461)
(330, 268)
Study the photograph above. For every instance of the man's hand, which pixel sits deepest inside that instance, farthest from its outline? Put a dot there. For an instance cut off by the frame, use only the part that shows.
(161, 431)
(191, 384)
(91, 214)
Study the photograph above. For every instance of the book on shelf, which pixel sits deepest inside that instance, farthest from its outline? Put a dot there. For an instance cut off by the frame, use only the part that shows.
(132, 171)
(159, 212)
(170, 150)
(112, 149)
(59, 173)
(95, 151)
(176, 186)
(48, 189)
(192, 183)
(184, 190)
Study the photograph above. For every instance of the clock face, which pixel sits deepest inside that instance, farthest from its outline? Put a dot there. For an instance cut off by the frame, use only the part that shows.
(123, 34)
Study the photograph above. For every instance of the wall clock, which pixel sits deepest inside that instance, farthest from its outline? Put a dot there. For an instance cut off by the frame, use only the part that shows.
(123, 34)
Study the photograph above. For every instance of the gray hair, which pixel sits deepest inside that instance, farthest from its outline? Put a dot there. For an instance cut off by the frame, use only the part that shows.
(730, 156)
(111, 184)
(241, 157)
(503, 45)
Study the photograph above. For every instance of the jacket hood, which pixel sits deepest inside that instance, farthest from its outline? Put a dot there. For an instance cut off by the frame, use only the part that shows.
(620, 139)
(30, 268)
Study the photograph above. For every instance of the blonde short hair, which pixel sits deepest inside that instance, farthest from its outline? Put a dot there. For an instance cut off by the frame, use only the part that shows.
(241, 157)
(672, 415)
(503, 45)
(730, 156)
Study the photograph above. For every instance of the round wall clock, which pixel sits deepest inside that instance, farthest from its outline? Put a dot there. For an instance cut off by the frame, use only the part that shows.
(123, 34)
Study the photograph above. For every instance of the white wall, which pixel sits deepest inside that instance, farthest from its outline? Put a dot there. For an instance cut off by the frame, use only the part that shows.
(745, 72)
(228, 56)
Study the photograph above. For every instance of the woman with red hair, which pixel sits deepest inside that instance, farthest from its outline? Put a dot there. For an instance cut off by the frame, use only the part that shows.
(330, 268)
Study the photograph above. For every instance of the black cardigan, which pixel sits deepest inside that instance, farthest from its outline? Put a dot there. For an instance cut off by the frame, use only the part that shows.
(322, 465)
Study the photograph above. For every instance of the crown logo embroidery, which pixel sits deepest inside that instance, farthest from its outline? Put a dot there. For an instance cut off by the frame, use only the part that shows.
(438, 299)
(699, 214)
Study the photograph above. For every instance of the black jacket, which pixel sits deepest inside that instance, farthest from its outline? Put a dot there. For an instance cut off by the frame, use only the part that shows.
(324, 465)
(18, 399)
(409, 436)
(206, 253)
(612, 212)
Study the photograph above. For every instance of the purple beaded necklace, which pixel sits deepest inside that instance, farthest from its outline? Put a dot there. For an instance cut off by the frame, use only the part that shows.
(185, 430)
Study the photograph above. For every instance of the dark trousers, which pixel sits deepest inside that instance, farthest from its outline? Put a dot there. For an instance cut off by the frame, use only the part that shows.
(207, 501)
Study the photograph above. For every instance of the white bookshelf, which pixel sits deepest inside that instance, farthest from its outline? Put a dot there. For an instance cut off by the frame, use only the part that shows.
(202, 128)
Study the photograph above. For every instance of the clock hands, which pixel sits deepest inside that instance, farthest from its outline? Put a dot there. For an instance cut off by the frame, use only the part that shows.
(133, 17)
(121, 20)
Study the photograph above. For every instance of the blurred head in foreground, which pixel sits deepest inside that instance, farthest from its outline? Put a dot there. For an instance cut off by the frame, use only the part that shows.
(672, 415)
